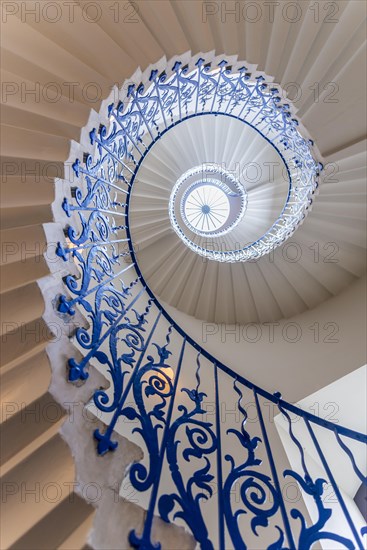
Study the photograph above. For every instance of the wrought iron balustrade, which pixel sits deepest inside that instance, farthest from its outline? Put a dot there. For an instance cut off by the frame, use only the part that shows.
(218, 475)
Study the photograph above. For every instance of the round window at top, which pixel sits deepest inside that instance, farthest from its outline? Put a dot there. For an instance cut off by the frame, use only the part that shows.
(206, 208)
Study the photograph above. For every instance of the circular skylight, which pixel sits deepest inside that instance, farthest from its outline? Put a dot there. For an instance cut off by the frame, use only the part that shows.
(206, 208)
(208, 200)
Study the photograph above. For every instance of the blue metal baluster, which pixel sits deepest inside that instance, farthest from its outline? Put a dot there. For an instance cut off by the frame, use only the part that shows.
(249, 477)
(199, 63)
(176, 68)
(240, 71)
(105, 443)
(95, 139)
(272, 95)
(135, 100)
(334, 484)
(202, 441)
(67, 207)
(351, 457)
(112, 112)
(153, 76)
(274, 473)
(219, 464)
(78, 169)
(65, 306)
(283, 133)
(313, 533)
(222, 64)
(144, 542)
(63, 250)
(256, 88)
(77, 370)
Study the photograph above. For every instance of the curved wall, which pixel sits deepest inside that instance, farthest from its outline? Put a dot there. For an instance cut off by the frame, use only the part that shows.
(296, 356)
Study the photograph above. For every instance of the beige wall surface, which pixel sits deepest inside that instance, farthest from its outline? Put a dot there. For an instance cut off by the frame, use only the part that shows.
(296, 356)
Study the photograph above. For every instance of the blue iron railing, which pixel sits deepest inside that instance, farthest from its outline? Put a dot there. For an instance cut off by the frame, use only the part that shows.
(219, 476)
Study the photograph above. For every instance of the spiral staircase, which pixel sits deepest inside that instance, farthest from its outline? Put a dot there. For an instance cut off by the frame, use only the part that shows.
(60, 77)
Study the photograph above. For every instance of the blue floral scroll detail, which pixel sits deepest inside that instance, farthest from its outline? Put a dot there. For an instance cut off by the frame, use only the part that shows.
(131, 333)
(119, 367)
(252, 489)
(315, 488)
(98, 264)
(108, 309)
(151, 380)
(202, 442)
(118, 150)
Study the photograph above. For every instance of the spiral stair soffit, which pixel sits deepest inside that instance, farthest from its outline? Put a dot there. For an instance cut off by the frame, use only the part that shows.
(69, 218)
(276, 282)
(265, 200)
(246, 99)
(52, 287)
(55, 231)
(48, 122)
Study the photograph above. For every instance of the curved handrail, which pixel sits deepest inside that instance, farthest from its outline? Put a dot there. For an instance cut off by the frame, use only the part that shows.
(139, 376)
(275, 398)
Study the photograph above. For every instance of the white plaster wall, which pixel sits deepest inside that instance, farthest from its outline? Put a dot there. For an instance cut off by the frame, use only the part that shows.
(330, 344)
(347, 399)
